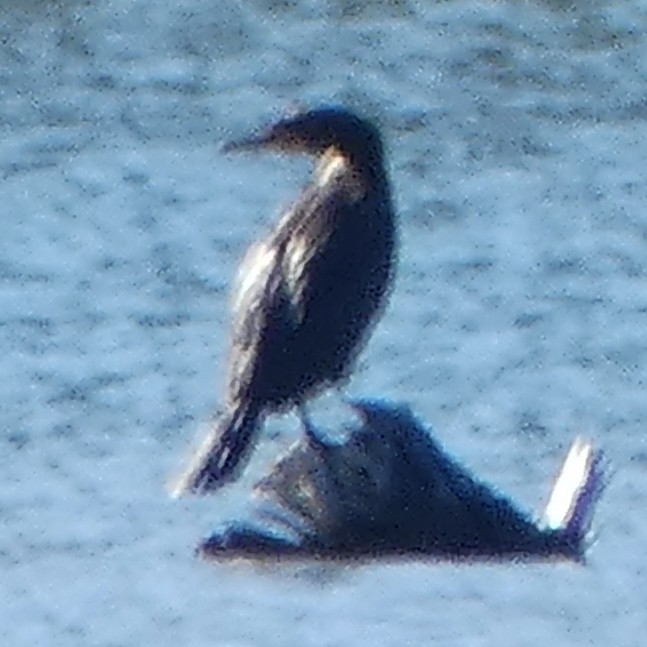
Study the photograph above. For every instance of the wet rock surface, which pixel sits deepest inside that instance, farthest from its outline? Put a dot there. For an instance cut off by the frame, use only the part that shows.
(389, 489)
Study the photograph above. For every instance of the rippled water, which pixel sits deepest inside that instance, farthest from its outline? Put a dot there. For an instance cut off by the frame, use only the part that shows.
(517, 137)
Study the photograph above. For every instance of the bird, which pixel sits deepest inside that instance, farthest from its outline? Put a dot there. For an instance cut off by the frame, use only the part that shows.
(309, 294)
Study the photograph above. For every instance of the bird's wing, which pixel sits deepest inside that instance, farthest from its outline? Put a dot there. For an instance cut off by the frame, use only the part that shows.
(315, 261)
(262, 314)
(277, 270)
(293, 277)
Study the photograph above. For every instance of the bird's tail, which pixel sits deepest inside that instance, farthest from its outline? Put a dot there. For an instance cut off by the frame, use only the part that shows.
(221, 455)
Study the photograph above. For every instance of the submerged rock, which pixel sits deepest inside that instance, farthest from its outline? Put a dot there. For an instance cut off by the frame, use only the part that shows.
(389, 489)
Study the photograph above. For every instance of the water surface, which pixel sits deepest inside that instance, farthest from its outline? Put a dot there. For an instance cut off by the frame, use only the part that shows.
(516, 134)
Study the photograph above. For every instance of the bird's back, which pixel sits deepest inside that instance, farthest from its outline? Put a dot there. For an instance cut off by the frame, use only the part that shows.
(312, 291)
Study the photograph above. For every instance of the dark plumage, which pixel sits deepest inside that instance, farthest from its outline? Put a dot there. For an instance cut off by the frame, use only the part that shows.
(310, 292)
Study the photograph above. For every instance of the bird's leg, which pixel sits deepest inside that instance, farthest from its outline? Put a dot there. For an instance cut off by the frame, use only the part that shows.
(311, 433)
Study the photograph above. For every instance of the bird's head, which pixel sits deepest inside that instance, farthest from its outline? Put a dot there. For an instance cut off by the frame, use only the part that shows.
(316, 132)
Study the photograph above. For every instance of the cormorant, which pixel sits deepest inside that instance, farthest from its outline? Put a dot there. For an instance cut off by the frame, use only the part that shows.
(309, 294)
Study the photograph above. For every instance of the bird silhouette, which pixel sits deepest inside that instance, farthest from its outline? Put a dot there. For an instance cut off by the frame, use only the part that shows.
(309, 294)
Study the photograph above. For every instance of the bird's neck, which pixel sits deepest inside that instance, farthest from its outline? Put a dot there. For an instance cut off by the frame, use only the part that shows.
(333, 164)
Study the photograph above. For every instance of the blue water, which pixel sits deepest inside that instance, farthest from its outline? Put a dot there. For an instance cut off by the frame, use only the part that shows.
(517, 135)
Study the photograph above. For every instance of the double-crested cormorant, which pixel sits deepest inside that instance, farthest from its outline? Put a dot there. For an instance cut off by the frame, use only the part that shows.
(308, 294)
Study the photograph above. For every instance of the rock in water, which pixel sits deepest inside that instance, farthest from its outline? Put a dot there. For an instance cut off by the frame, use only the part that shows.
(389, 489)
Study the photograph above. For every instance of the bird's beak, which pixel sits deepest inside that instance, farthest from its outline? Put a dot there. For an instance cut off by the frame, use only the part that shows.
(246, 144)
